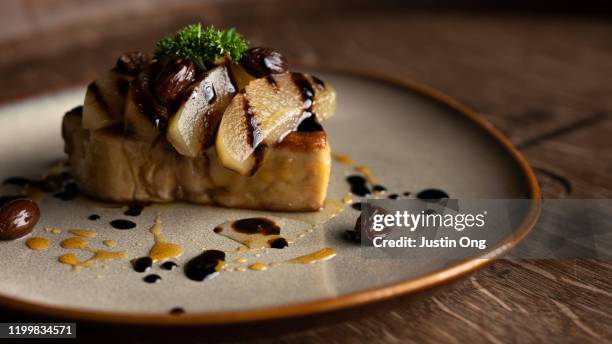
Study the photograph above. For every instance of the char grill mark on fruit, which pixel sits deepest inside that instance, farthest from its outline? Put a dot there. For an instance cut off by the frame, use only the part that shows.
(95, 90)
(320, 84)
(308, 122)
(254, 136)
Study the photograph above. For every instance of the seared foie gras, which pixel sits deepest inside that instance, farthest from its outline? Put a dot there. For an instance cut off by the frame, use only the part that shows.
(109, 165)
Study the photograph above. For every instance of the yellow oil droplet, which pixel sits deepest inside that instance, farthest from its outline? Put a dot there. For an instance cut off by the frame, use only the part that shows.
(85, 233)
(345, 159)
(109, 243)
(347, 199)
(69, 259)
(240, 268)
(324, 254)
(257, 255)
(240, 260)
(38, 243)
(258, 266)
(53, 230)
(242, 249)
(162, 250)
(75, 243)
(367, 173)
(220, 265)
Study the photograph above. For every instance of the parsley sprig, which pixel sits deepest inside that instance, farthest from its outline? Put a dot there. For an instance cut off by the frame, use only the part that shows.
(202, 45)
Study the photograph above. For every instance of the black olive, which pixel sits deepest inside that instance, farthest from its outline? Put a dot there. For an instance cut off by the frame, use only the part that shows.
(18, 218)
(261, 61)
(132, 63)
(176, 76)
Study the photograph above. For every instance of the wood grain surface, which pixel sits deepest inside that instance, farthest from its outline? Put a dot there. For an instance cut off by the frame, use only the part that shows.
(545, 81)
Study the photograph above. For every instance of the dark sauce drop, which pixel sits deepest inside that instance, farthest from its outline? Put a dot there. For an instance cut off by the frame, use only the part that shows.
(71, 190)
(358, 185)
(356, 206)
(393, 196)
(142, 264)
(379, 188)
(320, 84)
(310, 124)
(256, 225)
(93, 217)
(17, 181)
(122, 224)
(169, 265)
(153, 278)
(204, 266)
(407, 193)
(278, 243)
(177, 311)
(6, 199)
(431, 195)
(134, 210)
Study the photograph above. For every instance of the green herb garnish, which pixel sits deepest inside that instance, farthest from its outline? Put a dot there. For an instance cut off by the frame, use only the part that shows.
(202, 45)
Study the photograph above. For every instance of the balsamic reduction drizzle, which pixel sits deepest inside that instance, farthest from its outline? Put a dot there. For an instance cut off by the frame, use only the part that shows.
(177, 311)
(379, 188)
(278, 243)
(93, 217)
(204, 266)
(169, 265)
(153, 278)
(142, 264)
(134, 210)
(358, 185)
(122, 224)
(256, 225)
(71, 190)
(309, 121)
(432, 195)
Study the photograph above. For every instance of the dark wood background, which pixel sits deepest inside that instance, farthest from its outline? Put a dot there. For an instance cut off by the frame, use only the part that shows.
(541, 74)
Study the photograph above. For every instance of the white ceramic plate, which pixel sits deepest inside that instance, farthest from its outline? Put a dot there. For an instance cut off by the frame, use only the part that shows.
(410, 137)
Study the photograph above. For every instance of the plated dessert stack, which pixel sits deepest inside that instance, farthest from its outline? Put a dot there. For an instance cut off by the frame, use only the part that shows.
(206, 120)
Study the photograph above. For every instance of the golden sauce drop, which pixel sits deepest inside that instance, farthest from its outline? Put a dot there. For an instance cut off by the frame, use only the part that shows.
(75, 243)
(258, 266)
(38, 243)
(78, 243)
(321, 255)
(240, 260)
(162, 250)
(109, 243)
(69, 259)
(347, 199)
(240, 268)
(83, 233)
(345, 159)
(53, 230)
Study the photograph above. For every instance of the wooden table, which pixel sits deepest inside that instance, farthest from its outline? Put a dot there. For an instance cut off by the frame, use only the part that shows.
(545, 81)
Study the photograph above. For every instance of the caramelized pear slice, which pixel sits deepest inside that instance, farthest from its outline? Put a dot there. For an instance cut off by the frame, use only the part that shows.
(192, 128)
(104, 100)
(268, 109)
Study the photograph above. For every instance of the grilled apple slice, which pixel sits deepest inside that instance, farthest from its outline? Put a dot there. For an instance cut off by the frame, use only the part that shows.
(104, 100)
(192, 128)
(268, 109)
